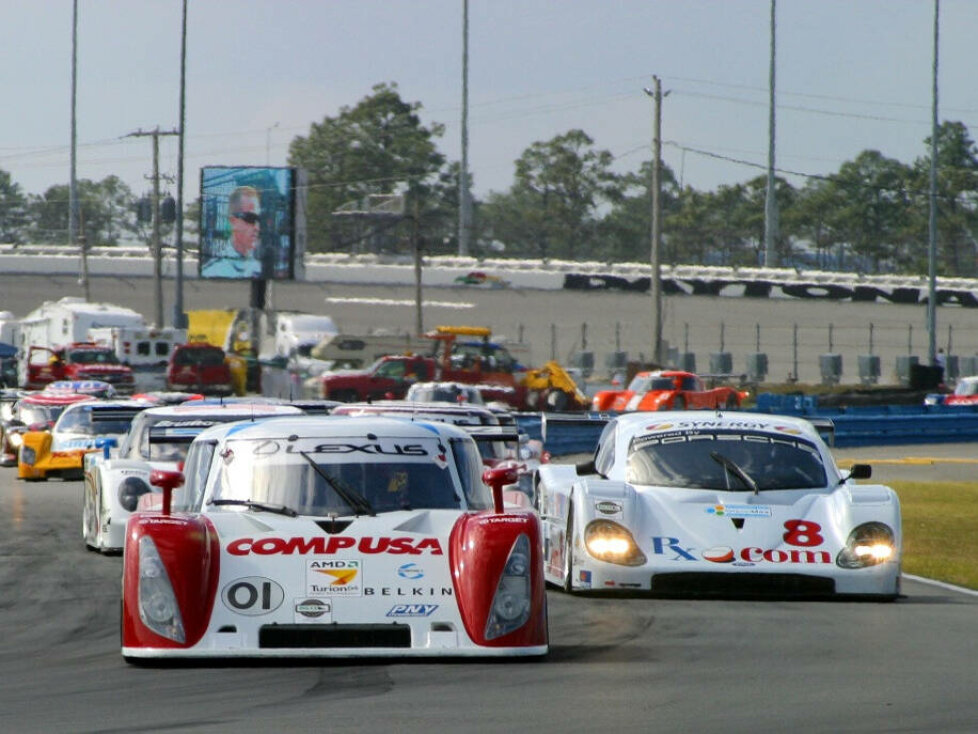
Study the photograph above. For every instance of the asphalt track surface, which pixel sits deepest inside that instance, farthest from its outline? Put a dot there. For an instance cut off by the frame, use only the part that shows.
(794, 334)
(623, 665)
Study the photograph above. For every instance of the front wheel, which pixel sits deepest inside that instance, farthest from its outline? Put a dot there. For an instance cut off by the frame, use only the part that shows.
(89, 530)
(569, 552)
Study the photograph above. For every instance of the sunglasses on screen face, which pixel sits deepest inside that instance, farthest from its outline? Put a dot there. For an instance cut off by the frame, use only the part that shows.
(249, 217)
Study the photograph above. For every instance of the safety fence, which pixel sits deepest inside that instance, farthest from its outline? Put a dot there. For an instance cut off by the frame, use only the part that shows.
(850, 426)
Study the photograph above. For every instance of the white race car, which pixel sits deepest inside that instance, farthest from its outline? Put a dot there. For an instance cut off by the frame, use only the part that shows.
(494, 430)
(158, 439)
(333, 536)
(718, 504)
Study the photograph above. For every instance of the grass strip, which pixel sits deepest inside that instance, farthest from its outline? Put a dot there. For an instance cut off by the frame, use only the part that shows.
(940, 530)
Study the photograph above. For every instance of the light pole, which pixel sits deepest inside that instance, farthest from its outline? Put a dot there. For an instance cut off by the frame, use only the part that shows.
(268, 144)
(932, 220)
(464, 194)
(770, 202)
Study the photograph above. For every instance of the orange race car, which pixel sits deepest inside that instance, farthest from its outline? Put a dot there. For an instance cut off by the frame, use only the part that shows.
(668, 390)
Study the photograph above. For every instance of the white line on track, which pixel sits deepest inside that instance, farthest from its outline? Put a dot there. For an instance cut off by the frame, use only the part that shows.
(399, 302)
(941, 584)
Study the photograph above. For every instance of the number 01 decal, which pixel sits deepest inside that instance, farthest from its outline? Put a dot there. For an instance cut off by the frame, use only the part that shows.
(803, 533)
(253, 595)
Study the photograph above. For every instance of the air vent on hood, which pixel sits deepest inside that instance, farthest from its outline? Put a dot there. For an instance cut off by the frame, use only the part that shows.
(738, 522)
(334, 526)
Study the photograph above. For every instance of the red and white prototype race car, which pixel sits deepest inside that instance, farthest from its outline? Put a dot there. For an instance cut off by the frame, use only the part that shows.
(333, 536)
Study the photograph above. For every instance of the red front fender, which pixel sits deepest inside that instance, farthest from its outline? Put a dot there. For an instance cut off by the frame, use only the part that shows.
(190, 551)
(478, 550)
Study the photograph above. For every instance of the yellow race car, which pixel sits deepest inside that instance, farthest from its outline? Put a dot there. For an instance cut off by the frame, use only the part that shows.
(81, 428)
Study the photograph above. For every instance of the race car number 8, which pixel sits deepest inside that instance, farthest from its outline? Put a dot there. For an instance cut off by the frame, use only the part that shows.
(803, 533)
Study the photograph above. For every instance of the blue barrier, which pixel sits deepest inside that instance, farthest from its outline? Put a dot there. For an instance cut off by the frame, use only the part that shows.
(876, 425)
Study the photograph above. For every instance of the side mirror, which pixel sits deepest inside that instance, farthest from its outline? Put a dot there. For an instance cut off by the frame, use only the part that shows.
(497, 478)
(860, 471)
(106, 444)
(167, 481)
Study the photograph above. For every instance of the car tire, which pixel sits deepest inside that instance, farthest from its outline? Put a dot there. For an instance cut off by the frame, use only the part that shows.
(87, 522)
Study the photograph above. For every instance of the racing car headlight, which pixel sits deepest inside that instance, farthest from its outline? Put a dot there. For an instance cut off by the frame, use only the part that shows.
(511, 605)
(869, 544)
(130, 490)
(158, 607)
(608, 541)
(28, 455)
(15, 439)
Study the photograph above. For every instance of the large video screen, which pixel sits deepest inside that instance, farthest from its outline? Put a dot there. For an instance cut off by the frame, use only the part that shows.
(247, 223)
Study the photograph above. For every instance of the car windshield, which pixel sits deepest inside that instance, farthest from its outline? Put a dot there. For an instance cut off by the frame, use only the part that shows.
(30, 414)
(967, 387)
(92, 356)
(80, 423)
(203, 356)
(679, 459)
(342, 476)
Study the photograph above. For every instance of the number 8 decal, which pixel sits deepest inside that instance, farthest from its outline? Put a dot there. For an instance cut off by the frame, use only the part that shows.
(803, 533)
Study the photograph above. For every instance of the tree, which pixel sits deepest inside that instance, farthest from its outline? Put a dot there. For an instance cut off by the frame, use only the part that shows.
(14, 217)
(957, 202)
(626, 231)
(872, 212)
(378, 146)
(567, 181)
(105, 212)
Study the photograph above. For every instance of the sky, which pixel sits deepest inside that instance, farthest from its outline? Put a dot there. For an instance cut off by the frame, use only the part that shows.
(851, 75)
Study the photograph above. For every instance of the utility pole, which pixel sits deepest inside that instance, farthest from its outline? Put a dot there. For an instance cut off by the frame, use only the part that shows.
(416, 242)
(656, 186)
(157, 244)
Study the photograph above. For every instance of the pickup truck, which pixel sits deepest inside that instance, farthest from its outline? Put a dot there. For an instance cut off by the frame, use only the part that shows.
(480, 362)
(78, 361)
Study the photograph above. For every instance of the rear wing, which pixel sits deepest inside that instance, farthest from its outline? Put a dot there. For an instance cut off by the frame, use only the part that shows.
(572, 433)
(113, 413)
(493, 433)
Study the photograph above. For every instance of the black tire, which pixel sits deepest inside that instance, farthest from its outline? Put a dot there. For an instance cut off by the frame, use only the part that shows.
(569, 552)
(345, 396)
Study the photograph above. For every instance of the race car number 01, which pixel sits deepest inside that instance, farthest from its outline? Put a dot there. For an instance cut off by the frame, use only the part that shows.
(253, 595)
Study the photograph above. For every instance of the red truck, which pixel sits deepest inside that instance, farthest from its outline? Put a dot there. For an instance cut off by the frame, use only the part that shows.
(471, 361)
(199, 367)
(78, 361)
